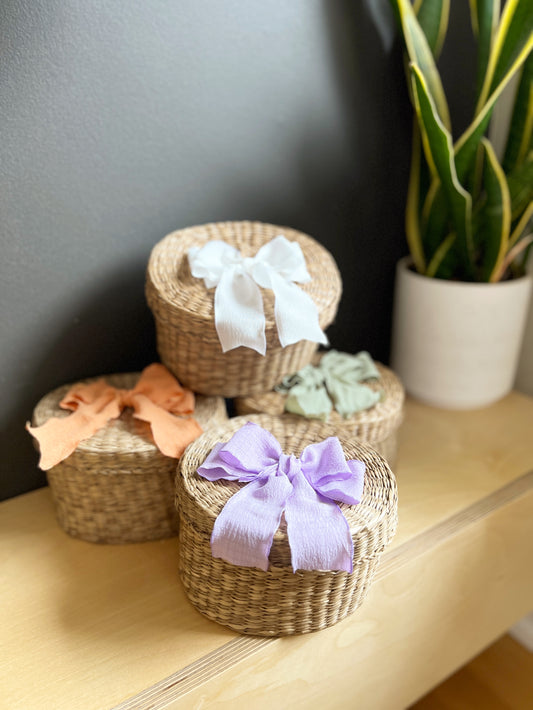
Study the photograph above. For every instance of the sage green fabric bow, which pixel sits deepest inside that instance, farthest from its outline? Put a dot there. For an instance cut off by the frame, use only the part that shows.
(312, 392)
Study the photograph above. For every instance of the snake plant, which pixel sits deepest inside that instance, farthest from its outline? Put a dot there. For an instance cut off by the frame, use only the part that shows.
(468, 213)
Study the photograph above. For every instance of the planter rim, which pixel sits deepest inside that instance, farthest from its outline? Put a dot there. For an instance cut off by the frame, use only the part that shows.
(406, 261)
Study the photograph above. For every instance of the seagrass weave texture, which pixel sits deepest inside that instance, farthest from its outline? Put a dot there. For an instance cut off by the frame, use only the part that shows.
(278, 602)
(117, 486)
(187, 340)
(376, 426)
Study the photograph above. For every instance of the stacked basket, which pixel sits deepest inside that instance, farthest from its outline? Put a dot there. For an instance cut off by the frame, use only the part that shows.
(117, 486)
(183, 309)
(377, 426)
(213, 290)
(278, 600)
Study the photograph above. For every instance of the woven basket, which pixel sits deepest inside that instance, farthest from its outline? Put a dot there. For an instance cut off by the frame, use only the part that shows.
(187, 340)
(377, 426)
(278, 602)
(117, 486)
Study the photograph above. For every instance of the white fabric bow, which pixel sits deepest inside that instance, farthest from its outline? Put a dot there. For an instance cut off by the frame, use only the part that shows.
(239, 315)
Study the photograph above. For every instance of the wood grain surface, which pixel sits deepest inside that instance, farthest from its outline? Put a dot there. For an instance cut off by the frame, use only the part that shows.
(95, 627)
(500, 678)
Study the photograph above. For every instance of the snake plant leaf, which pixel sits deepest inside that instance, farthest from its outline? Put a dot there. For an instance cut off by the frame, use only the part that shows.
(437, 143)
(441, 248)
(412, 212)
(466, 146)
(520, 138)
(485, 15)
(513, 41)
(466, 149)
(420, 53)
(440, 254)
(496, 215)
(435, 218)
(523, 246)
(521, 225)
(476, 175)
(433, 16)
(520, 181)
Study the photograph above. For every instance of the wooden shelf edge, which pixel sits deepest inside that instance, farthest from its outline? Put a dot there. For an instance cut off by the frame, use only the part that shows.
(227, 656)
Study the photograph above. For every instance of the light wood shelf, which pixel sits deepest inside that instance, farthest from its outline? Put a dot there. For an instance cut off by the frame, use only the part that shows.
(95, 627)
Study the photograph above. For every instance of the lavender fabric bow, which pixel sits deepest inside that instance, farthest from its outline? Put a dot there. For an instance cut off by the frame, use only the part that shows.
(304, 489)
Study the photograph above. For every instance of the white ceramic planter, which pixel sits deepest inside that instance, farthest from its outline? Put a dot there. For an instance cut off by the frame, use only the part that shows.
(455, 344)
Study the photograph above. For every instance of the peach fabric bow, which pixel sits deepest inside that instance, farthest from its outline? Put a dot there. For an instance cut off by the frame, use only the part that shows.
(156, 398)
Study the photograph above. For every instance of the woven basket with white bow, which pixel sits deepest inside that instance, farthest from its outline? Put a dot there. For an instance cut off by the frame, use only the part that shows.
(188, 341)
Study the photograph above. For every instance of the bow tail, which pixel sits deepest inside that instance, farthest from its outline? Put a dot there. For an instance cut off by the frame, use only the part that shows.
(58, 438)
(318, 532)
(244, 530)
(171, 434)
(296, 313)
(239, 317)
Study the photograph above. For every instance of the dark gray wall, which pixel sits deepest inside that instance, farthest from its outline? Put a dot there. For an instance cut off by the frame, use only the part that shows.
(123, 120)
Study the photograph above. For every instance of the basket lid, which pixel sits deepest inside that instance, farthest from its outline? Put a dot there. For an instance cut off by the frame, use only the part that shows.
(373, 424)
(125, 436)
(372, 522)
(169, 277)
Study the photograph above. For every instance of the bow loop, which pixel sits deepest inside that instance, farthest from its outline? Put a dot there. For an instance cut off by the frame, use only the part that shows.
(249, 452)
(239, 316)
(156, 399)
(81, 395)
(210, 261)
(285, 258)
(327, 470)
(303, 488)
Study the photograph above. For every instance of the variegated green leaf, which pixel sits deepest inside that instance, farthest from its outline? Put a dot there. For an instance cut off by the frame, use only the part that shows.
(433, 17)
(485, 15)
(495, 216)
(520, 181)
(437, 143)
(519, 141)
(466, 148)
(412, 212)
(435, 218)
(521, 225)
(419, 52)
(520, 247)
(441, 253)
(513, 40)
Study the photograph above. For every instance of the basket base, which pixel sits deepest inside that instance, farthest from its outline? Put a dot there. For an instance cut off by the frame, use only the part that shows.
(114, 508)
(273, 603)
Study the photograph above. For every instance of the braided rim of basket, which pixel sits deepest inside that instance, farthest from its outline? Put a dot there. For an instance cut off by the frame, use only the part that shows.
(125, 442)
(170, 285)
(386, 415)
(372, 522)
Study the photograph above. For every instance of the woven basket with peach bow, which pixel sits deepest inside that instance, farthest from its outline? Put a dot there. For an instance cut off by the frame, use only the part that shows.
(117, 485)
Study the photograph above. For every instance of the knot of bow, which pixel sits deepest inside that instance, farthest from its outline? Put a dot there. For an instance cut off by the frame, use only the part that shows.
(239, 315)
(303, 489)
(312, 392)
(156, 398)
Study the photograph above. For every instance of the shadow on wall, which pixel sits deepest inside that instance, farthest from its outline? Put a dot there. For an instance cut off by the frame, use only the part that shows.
(372, 190)
(346, 191)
